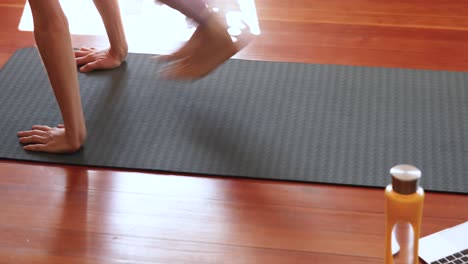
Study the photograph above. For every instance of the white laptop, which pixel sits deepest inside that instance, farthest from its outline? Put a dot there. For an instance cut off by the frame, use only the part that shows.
(449, 246)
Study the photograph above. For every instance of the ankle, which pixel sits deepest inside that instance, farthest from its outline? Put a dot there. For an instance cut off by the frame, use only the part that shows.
(215, 24)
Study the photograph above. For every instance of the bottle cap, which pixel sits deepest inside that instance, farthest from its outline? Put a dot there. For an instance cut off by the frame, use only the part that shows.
(405, 178)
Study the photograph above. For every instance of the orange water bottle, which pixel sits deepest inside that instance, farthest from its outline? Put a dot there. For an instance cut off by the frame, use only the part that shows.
(404, 200)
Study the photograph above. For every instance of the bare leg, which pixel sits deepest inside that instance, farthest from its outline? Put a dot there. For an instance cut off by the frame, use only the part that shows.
(199, 12)
(195, 9)
(54, 43)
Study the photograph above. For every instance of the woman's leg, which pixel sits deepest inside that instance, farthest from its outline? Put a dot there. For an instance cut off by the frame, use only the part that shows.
(54, 44)
(195, 9)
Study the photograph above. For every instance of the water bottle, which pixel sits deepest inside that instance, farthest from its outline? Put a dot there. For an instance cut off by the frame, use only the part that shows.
(404, 200)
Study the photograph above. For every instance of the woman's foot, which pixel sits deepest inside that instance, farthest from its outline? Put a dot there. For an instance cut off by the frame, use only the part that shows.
(210, 46)
(187, 49)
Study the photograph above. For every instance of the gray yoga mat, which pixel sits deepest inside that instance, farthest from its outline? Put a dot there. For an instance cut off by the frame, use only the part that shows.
(270, 120)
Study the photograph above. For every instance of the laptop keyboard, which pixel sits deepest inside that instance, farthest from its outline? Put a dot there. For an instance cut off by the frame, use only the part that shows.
(457, 258)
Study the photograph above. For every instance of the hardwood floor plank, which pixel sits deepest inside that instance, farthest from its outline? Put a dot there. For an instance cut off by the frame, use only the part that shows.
(345, 17)
(60, 178)
(201, 221)
(108, 248)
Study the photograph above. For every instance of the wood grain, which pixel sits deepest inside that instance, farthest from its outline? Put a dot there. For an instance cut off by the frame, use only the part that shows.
(71, 214)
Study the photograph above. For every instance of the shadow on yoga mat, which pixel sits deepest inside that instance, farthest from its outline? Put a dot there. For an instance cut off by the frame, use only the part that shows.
(271, 120)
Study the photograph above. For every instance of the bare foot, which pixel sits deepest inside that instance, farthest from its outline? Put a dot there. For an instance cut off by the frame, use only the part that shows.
(187, 49)
(210, 48)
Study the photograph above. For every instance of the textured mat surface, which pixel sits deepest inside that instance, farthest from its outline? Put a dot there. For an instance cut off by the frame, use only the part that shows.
(290, 121)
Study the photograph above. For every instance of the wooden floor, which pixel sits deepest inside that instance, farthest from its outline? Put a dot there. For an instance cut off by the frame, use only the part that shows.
(67, 214)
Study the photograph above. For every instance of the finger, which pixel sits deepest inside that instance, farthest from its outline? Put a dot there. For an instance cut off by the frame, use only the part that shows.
(167, 72)
(84, 60)
(43, 128)
(61, 126)
(36, 147)
(174, 71)
(80, 53)
(32, 133)
(91, 66)
(33, 140)
(87, 49)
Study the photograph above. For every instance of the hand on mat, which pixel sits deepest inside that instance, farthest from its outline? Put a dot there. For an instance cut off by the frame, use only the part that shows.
(46, 139)
(90, 59)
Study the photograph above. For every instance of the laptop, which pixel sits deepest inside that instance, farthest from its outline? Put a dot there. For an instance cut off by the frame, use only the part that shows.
(449, 246)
